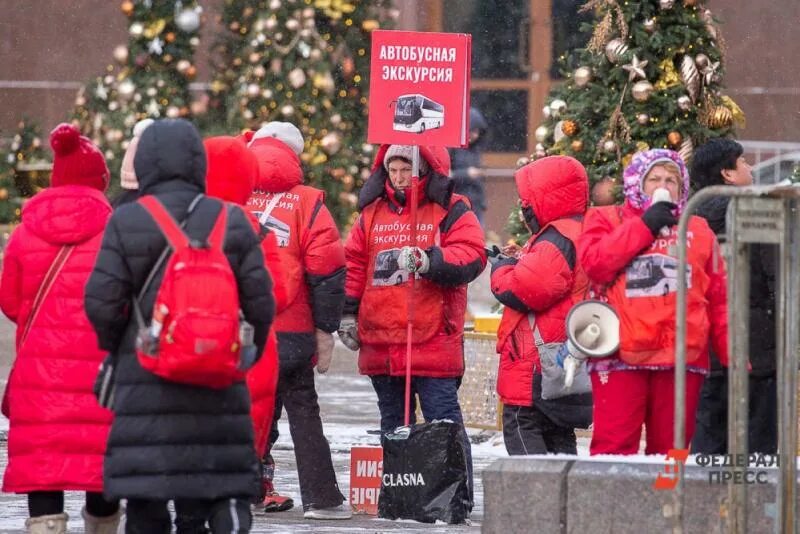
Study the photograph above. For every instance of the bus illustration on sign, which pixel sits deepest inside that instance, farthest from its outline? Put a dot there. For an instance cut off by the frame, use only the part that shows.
(417, 113)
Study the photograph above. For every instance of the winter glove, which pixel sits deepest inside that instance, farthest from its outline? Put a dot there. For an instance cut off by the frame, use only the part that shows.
(495, 255)
(324, 351)
(658, 216)
(414, 260)
(348, 332)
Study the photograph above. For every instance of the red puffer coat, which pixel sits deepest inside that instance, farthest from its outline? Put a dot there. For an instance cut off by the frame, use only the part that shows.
(231, 176)
(58, 432)
(377, 289)
(554, 192)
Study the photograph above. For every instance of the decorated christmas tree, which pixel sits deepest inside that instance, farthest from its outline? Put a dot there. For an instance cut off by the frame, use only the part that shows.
(24, 169)
(649, 77)
(304, 62)
(150, 77)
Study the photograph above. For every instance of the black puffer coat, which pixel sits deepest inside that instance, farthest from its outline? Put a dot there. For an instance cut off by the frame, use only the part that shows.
(763, 265)
(170, 440)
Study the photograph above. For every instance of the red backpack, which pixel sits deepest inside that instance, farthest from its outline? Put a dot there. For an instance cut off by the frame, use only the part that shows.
(193, 337)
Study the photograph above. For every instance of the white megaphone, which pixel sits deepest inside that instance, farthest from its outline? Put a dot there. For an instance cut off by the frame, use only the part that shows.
(662, 195)
(592, 332)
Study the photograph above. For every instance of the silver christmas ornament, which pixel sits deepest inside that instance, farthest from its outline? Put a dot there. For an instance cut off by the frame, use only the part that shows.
(615, 49)
(691, 77)
(541, 133)
(582, 76)
(643, 119)
(557, 107)
(684, 103)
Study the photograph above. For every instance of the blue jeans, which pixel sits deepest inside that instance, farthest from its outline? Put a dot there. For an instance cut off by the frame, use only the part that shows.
(438, 398)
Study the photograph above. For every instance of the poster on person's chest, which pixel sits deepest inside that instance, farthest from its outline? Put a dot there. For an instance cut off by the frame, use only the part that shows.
(419, 88)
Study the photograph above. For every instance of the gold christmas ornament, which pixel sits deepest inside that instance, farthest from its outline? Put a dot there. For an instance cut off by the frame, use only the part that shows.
(576, 145)
(641, 146)
(557, 107)
(684, 103)
(642, 90)
(169, 37)
(643, 118)
(121, 53)
(4, 194)
(569, 127)
(127, 7)
(687, 150)
(691, 77)
(669, 75)
(370, 24)
(635, 68)
(689, 3)
(541, 133)
(154, 28)
(674, 138)
(666, 4)
(721, 117)
(738, 115)
(615, 49)
(582, 76)
(649, 25)
(191, 72)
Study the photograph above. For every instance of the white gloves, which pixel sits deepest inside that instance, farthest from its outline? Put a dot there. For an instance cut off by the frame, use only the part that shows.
(348, 332)
(324, 351)
(414, 260)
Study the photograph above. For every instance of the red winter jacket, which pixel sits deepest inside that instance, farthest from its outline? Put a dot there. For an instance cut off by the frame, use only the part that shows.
(231, 175)
(543, 279)
(310, 249)
(58, 432)
(617, 246)
(453, 239)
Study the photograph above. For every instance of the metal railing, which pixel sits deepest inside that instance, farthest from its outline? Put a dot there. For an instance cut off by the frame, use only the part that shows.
(757, 214)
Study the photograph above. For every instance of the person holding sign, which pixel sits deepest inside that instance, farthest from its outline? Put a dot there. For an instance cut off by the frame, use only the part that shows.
(448, 254)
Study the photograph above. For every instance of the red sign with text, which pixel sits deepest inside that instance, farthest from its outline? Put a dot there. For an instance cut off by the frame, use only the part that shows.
(366, 470)
(419, 88)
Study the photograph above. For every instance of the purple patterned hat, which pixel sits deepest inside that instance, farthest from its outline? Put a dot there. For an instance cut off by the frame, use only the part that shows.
(640, 165)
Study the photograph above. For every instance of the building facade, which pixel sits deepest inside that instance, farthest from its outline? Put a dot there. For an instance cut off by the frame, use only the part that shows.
(48, 48)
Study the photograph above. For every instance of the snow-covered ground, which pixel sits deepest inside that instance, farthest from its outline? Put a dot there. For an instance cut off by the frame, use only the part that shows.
(349, 410)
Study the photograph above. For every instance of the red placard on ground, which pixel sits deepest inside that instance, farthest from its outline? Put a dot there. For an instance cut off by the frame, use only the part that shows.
(419, 88)
(366, 470)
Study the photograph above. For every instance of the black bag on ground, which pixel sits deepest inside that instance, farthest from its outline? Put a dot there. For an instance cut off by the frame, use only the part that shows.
(424, 474)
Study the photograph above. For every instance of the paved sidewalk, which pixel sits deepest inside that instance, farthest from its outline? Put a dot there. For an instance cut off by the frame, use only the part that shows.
(348, 410)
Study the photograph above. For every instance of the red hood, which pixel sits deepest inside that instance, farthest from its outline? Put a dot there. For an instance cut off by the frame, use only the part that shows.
(437, 157)
(278, 166)
(232, 169)
(68, 214)
(555, 187)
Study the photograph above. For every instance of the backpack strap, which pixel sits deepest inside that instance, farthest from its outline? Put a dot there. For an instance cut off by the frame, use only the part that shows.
(537, 336)
(175, 236)
(216, 238)
(270, 206)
